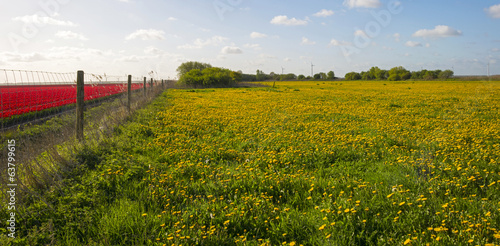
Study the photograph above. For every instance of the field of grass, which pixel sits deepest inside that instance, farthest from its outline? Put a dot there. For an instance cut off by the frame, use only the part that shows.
(304, 163)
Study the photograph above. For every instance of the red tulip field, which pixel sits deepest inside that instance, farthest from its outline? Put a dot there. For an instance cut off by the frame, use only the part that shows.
(21, 99)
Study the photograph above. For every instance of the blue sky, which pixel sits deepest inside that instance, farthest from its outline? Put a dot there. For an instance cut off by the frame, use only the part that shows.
(120, 37)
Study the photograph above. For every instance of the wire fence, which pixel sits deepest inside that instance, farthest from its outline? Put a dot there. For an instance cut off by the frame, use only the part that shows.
(41, 112)
(28, 96)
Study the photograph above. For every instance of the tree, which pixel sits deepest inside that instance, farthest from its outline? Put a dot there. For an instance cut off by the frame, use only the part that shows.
(274, 76)
(398, 73)
(289, 76)
(260, 76)
(301, 77)
(213, 76)
(378, 74)
(323, 75)
(248, 77)
(352, 76)
(394, 77)
(446, 74)
(188, 66)
(366, 76)
(330, 75)
(429, 75)
(236, 76)
(317, 76)
(415, 75)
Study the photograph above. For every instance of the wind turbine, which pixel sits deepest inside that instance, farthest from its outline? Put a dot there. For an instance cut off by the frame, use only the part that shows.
(488, 71)
(312, 69)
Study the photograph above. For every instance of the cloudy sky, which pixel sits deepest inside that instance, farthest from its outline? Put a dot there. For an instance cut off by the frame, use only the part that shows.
(134, 37)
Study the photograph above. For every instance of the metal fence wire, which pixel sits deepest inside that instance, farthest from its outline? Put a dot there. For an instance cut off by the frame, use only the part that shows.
(29, 96)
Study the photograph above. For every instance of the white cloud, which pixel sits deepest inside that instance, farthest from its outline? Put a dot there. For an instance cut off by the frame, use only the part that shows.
(287, 59)
(253, 46)
(267, 56)
(306, 41)
(362, 3)
(231, 50)
(284, 20)
(42, 20)
(439, 31)
(495, 49)
(324, 13)
(396, 36)
(150, 34)
(132, 58)
(172, 19)
(493, 11)
(66, 52)
(62, 53)
(335, 42)
(30, 57)
(257, 35)
(200, 43)
(427, 45)
(413, 44)
(153, 51)
(70, 35)
(360, 33)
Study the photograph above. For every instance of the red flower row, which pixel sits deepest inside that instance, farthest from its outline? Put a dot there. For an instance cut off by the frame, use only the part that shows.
(16, 100)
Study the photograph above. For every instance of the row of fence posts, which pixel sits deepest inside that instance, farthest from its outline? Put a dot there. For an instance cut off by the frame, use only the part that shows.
(80, 97)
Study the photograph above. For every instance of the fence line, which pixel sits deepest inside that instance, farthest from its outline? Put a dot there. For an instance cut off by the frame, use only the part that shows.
(27, 96)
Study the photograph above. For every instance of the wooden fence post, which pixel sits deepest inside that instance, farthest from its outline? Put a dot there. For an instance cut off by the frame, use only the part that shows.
(129, 91)
(144, 86)
(151, 84)
(80, 97)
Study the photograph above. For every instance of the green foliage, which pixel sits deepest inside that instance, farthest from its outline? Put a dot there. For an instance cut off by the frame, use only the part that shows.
(261, 76)
(288, 77)
(352, 76)
(191, 65)
(330, 75)
(301, 77)
(399, 73)
(446, 74)
(210, 77)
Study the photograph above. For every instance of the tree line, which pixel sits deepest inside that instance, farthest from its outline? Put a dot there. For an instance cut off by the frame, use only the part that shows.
(203, 74)
(399, 73)
(194, 73)
(261, 76)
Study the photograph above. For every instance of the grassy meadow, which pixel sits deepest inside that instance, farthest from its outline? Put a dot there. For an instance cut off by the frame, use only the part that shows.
(301, 163)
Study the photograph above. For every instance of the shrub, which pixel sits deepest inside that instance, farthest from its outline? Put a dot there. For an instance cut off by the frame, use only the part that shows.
(213, 76)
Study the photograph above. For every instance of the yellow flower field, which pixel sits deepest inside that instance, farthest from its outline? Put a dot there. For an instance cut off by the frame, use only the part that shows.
(327, 163)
